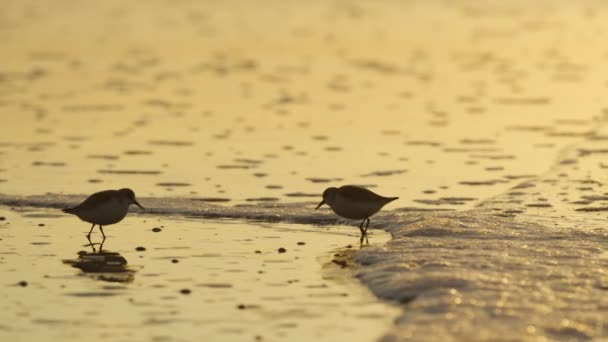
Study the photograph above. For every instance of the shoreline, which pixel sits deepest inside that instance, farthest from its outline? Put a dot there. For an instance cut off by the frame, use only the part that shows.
(245, 285)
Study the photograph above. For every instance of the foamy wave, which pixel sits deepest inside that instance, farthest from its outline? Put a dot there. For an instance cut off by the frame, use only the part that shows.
(472, 271)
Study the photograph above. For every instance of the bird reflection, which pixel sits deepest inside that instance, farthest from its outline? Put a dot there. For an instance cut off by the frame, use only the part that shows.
(103, 265)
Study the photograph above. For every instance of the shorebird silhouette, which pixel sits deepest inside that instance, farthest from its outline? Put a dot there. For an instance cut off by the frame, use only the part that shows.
(104, 208)
(355, 203)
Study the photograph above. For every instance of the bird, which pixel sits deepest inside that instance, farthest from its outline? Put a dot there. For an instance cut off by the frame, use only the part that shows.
(355, 203)
(104, 208)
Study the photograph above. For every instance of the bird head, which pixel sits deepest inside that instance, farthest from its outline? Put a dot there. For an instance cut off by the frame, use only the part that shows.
(328, 196)
(129, 195)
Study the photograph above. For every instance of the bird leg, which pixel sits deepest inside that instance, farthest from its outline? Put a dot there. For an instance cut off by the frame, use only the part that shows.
(104, 235)
(90, 231)
(89, 237)
(363, 236)
(364, 231)
(91, 244)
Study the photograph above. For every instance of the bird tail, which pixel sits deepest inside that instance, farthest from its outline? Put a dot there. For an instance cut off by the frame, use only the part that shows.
(68, 210)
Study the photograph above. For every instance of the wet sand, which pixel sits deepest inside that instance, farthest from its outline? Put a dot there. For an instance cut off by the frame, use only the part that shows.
(182, 280)
(488, 120)
(213, 101)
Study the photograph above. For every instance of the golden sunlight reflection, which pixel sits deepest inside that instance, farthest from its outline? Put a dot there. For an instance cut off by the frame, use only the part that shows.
(230, 119)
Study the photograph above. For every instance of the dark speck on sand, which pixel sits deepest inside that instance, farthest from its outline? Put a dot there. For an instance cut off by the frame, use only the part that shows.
(282, 250)
(185, 291)
(140, 249)
(22, 283)
(156, 229)
(341, 263)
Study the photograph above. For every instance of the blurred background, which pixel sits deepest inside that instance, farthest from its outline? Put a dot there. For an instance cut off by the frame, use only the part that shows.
(238, 102)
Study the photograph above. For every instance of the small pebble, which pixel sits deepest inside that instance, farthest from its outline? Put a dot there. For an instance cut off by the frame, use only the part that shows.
(185, 291)
(2, 218)
(241, 306)
(140, 249)
(282, 250)
(175, 261)
(41, 224)
(301, 243)
(156, 229)
(22, 283)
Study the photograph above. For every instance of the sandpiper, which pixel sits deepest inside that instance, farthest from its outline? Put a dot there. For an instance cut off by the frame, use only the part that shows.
(104, 208)
(355, 203)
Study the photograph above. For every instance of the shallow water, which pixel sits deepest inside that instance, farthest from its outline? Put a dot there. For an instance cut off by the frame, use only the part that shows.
(182, 280)
(194, 99)
(488, 120)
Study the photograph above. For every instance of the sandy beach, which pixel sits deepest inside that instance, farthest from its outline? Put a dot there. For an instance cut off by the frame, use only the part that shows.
(182, 280)
(230, 119)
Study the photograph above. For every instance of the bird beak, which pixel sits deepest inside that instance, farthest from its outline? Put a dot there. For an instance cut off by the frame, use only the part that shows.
(137, 204)
(320, 204)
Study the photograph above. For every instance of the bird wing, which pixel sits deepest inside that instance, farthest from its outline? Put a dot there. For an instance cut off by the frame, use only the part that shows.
(96, 199)
(358, 193)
